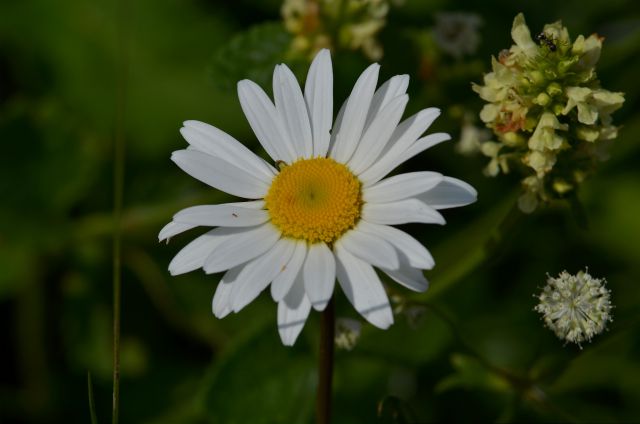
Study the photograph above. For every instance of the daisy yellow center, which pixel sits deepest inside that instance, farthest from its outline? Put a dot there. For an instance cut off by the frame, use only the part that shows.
(316, 200)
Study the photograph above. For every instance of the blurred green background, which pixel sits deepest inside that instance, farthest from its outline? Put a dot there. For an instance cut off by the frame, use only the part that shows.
(478, 352)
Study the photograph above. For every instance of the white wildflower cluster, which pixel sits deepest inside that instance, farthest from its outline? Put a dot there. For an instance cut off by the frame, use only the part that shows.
(347, 333)
(472, 137)
(576, 307)
(547, 111)
(413, 312)
(457, 33)
(348, 24)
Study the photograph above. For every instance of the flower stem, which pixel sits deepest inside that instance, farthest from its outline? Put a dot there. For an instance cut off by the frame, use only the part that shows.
(325, 364)
(92, 404)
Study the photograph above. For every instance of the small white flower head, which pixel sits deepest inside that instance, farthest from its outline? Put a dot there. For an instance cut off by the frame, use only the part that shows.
(576, 307)
(471, 137)
(457, 33)
(413, 312)
(347, 333)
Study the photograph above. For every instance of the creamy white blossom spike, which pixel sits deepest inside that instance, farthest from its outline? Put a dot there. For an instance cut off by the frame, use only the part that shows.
(324, 213)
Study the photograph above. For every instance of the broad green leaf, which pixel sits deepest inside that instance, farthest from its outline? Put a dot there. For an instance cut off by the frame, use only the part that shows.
(262, 381)
(470, 373)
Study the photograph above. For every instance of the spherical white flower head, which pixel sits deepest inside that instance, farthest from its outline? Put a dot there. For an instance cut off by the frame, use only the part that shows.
(325, 210)
(575, 307)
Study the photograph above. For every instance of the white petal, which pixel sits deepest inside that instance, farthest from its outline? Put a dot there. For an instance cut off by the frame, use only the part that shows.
(410, 130)
(402, 138)
(243, 247)
(223, 215)
(401, 212)
(284, 280)
(401, 187)
(338, 124)
(377, 135)
(265, 121)
(252, 204)
(211, 140)
(411, 278)
(293, 311)
(409, 249)
(194, 254)
(355, 114)
(293, 111)
(390, 161)
(363, 288)
(318, 93)
(423, 144)
(371, 248)
(257, 274)
(319, 273)
(221, 304)
(450, 193)
(392, 88)
(220, 174)
(172, 229)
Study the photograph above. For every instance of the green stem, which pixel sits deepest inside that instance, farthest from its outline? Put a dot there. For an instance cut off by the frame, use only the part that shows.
(325, 364)
(92, 405)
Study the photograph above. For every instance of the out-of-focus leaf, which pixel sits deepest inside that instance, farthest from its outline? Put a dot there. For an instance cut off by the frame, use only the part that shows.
(262, 381)
(586, 371)
(471, 374)
(87, 341)
(252, 54)
(549, 367)
(461, 253)
(393, 409)
(16, 264)
(616, 208)
(427, 341)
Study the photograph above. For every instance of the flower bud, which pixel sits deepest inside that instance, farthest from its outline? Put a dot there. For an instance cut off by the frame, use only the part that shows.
(537, 77)
(542, 99)
(561, 186)
(554, 89)
(512, 139)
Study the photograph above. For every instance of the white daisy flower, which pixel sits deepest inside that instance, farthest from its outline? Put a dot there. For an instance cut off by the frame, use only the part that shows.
(325, 211)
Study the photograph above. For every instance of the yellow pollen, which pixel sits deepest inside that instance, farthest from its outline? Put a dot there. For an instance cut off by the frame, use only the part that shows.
(315, 200)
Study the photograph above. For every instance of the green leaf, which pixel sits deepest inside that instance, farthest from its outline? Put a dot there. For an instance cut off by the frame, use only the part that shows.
(470, 373)
(463, 252)
(393, 409)
(252, 54)
(262, 381)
